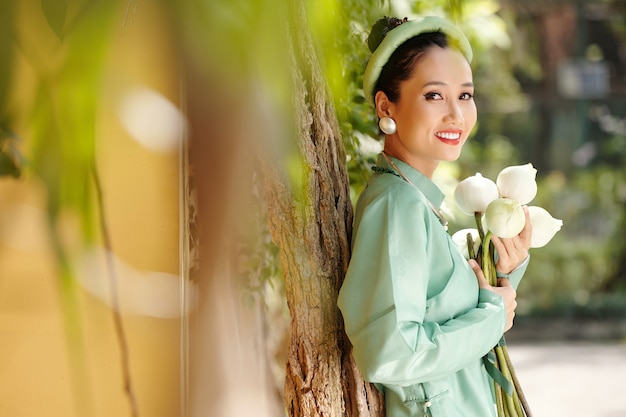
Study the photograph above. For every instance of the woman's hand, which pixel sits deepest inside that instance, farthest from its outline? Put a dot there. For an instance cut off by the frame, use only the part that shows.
(504, 290)
(512, 252)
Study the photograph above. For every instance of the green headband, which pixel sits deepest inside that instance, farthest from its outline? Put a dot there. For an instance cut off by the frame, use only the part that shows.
(400, 34)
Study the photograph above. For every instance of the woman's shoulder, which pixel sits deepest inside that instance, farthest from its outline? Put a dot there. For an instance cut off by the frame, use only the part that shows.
(392, 189)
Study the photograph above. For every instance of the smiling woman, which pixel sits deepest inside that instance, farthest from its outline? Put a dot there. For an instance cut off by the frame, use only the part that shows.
(407, 283)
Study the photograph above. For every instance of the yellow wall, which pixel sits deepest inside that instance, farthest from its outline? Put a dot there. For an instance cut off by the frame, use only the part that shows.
(43, 370)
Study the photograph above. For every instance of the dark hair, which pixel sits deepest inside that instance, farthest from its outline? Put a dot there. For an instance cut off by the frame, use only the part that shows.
(400, 65)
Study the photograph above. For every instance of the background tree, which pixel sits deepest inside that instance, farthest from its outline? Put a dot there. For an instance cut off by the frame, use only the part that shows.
(312, 226)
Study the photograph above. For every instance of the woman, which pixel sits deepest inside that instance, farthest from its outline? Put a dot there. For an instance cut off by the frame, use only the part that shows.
(420, 317)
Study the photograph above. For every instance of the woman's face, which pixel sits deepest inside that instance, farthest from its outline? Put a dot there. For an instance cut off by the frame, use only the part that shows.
(435, 112)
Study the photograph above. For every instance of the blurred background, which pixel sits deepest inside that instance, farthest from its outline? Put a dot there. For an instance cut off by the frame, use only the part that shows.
(88, 87)
(99, 269)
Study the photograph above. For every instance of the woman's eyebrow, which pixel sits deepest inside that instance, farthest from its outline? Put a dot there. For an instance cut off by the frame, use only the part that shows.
(441, 83)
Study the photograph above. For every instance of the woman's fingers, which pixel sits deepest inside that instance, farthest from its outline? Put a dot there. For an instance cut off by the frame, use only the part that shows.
(527, 231)
(508, 294)
(504, 289)
(482, 281)
(513, 251)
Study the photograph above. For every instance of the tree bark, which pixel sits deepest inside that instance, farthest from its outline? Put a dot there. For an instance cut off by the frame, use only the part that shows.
(310, 218)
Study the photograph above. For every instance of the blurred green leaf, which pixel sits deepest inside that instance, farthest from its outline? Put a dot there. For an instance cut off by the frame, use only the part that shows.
(64, 115)
(6, 51)
(55, 12)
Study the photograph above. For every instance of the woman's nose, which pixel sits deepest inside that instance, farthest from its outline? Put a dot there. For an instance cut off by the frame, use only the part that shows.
(454, 114)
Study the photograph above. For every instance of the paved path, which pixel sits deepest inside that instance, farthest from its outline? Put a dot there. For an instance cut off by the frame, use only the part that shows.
(572, 379)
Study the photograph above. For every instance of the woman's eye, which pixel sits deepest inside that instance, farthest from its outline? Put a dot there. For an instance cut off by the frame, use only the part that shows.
(433, 96)
(466, 96)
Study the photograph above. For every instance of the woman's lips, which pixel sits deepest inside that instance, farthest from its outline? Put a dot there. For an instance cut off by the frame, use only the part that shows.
(449, 136)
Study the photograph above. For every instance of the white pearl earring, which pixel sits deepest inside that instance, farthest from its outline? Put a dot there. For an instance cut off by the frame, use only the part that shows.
(387, 125)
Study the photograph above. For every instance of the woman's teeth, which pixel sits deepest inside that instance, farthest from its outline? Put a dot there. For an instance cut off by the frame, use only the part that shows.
(448, 136)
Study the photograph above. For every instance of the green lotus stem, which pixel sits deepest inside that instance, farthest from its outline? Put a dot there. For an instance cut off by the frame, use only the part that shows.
(511, 376)
(479, 224)
(499, 401)
(516, 384)
(516, 404)
(470, 246)
(508, 399)
(489, 268)
(481, 234)
(516, 399)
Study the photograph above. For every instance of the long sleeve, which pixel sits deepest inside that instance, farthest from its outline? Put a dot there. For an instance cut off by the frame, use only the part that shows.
(515, 277)
(410, 302)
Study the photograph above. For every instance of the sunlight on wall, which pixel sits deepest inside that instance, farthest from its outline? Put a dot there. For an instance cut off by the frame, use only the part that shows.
(151, 119)
(145, 293)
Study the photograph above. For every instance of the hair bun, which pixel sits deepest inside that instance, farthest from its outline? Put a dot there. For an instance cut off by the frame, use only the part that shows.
(380, 29)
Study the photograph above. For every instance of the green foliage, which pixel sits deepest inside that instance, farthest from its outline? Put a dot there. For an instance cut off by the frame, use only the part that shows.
(55, 12)
(10, 155)
(259, 262)
(6, 52)
(64, 111)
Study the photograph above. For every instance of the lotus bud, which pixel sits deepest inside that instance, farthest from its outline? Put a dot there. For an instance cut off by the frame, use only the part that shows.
(460, 238)
(505, 217)
(518, 183)
(473, 194)
(544, 226)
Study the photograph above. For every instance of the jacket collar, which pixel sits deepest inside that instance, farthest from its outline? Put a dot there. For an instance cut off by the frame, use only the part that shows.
(423, 183)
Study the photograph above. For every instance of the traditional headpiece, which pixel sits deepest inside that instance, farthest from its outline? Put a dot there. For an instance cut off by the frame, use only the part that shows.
(403, 32)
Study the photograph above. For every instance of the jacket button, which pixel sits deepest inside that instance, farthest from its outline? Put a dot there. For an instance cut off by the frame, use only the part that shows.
(427, 404)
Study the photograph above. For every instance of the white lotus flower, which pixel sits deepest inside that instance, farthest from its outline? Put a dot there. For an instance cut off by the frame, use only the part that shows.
(474, 194)
(460, 238)
(518, 183)
(544, 226)
(505, 217)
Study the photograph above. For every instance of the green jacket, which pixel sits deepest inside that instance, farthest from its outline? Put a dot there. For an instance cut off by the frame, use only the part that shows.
(418, 322)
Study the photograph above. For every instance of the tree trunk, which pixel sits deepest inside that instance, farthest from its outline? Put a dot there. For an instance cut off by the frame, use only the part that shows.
(310, 220)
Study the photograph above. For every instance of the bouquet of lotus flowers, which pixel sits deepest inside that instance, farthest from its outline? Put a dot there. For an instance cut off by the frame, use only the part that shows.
(497, 209)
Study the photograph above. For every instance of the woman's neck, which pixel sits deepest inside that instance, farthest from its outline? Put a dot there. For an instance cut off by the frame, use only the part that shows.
(425, 168)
